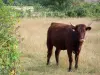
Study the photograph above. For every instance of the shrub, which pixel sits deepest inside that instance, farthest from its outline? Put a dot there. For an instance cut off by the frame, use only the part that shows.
(29, 13)
(71, 13)
(81, 12)
(64, 9)
(9, 53)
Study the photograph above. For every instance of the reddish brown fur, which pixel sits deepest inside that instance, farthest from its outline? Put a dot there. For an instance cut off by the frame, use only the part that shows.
(65, 37)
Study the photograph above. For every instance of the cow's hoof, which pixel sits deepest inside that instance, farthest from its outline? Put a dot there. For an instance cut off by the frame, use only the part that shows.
(47, 64)
(69, 70)
(57, 64)
(76, 67)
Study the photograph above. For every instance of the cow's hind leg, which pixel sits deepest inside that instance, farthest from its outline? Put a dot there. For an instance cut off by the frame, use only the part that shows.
(57, 56)
(49, 52)
(70, 59)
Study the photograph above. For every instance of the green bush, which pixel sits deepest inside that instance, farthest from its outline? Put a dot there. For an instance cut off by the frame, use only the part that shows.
(81, 12)
(64, 8)
(9, 53)
(71, 13)
(29, 13)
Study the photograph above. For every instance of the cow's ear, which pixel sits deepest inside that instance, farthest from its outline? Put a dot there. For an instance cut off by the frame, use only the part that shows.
(88, 28)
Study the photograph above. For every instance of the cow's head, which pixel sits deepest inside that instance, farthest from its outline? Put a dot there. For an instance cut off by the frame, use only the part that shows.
(81, 29)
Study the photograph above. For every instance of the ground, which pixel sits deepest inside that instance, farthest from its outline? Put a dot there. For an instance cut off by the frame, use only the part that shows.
(34, 51)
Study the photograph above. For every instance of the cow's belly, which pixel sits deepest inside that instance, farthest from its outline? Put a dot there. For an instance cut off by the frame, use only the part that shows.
(60, 45)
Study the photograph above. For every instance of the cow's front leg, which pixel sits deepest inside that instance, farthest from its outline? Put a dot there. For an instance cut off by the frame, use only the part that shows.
(76, 60)
(70, 59)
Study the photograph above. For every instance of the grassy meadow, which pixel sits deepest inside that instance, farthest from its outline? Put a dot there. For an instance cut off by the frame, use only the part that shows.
(33, 32)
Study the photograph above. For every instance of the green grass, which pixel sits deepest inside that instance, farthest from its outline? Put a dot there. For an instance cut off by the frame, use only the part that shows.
(34, 50)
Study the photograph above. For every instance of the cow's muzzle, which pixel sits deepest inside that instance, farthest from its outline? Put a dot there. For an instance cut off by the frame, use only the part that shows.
(82, 40)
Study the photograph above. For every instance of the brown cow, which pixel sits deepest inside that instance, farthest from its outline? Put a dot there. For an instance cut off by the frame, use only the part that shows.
(66, 37)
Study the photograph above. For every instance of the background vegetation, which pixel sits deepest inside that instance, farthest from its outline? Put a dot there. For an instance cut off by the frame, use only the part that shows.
(9, 53)
(59, 8)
